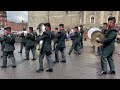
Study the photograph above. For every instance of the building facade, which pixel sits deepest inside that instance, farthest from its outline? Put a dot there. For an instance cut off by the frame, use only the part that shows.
(71, 18)
(3, 19)
(17, 26)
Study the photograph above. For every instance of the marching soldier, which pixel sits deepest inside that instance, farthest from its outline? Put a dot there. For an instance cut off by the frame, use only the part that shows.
(9, 48)
(30, 44)
(108, 47)
(61, 36)
(46, 49)
(23, 42)
(76, 39)
(82, 34)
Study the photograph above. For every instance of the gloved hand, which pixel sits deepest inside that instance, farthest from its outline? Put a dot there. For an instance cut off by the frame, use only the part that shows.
(98, 40)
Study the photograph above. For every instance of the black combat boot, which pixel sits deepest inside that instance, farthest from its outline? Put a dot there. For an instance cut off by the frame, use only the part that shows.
(112, 72)
(49, 70)
(39, 70)
(3, 66)
(26, 59)
(33, 59)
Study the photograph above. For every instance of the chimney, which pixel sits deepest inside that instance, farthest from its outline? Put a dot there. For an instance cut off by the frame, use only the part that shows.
(22, 21)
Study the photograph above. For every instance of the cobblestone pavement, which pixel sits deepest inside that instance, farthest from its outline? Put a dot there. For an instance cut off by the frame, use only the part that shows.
(85, 66)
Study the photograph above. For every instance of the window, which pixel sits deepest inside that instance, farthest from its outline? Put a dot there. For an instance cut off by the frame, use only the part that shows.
(92, 19)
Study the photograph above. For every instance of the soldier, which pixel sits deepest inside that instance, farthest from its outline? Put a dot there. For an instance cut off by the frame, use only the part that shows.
(61, 36)
(30, 44)
(46, 49)
(103, 30)
(76, 39)
(9, 48)
(108, 47)
(23, 42)
(82, 34)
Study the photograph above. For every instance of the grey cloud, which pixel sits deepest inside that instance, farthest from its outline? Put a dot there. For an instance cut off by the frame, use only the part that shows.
(17, 16)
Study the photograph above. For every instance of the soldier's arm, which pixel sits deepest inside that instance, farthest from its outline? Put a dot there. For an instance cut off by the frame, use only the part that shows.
(58, 35)
(3, 38)
(41, 38)
(110, 37)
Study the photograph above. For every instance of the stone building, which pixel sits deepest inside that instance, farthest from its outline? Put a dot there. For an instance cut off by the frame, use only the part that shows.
(71, 18)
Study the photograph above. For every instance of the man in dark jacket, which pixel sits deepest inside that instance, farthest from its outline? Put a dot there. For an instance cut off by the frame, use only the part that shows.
(76, 40)
(61, 36)
(9, 48)
(108, 47)
(46, 49)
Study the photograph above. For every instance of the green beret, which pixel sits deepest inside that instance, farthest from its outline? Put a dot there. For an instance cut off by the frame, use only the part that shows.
(61, 25)
(47, 24)
(111, 18)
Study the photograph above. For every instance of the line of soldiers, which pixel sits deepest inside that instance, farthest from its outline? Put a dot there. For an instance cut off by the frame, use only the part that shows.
(31, 40)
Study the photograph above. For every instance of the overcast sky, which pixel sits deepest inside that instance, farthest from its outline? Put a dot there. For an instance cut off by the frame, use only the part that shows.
(17, 16)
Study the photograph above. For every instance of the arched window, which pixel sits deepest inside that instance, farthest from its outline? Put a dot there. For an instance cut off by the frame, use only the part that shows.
(92, 19)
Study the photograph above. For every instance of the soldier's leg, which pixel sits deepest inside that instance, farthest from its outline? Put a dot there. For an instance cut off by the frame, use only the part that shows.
(21, 47)
(71, 49)
(12, 58)
(53, 45)
(78, 49)
(41, 60)
(5, 54)
(63, 54)
(82, 43)
(27, 52)
(50, 61)
(57, 55)
(111, 62)
(103, 63)
(33, 49)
